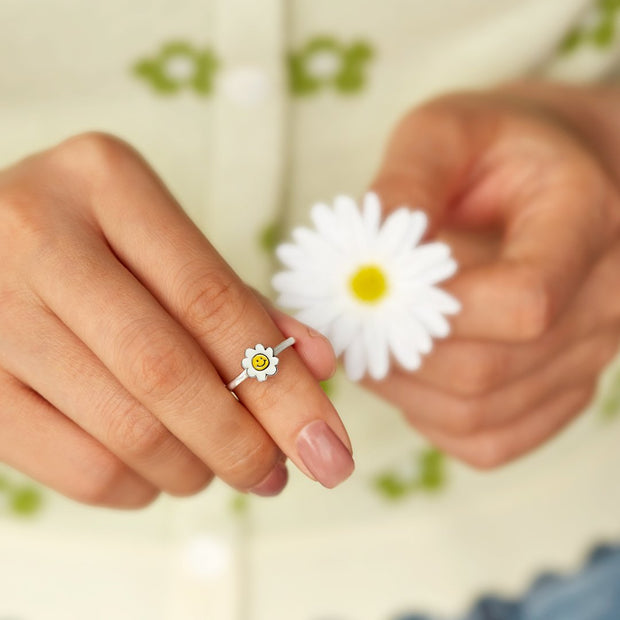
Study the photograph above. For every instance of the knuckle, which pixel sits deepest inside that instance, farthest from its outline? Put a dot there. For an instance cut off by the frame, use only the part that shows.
(138, 434)
(534, 309)
(214, 305)
(480, 373)
(100, 483)
(191, 483)
(160, 368)
(21, 220)
(93, 150)
(486, 453)
(469, 417)
(437, 112)
(245, 463)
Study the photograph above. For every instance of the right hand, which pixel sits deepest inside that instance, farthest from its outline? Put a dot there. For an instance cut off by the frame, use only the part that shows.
(119, 327)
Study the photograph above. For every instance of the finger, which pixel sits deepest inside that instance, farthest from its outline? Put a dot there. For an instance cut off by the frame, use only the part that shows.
(495, 447)
(52, 361)
(474, 367)
(313, 348)
(552, 244)
(154, 359)
(39, 441)
(449, 414)
(169, 255)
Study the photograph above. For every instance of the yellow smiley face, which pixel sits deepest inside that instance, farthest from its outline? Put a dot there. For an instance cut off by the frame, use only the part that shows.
(260, 361)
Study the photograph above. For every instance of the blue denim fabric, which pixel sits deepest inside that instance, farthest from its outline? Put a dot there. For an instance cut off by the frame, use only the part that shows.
(593, 593)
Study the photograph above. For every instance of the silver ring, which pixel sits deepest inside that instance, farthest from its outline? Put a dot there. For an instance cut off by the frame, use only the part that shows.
(260, 362)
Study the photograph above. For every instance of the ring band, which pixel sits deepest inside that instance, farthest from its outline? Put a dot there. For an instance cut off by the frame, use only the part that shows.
(260, 362)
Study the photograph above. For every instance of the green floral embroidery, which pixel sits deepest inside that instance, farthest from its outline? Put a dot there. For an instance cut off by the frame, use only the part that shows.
(329, 387)
(179, 65)
(271, 236)
(601, 34)
(240, 504)
(428, 477)
(20, 499)
(608, 404)
(326, 62)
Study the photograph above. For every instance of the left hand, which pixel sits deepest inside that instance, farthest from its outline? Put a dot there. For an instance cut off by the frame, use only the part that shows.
(527, 197)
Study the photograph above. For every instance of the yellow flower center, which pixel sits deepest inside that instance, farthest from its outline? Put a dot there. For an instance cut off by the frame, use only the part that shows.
(369, 284)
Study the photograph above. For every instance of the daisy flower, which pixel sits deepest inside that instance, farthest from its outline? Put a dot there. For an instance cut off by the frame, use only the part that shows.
(260, 362)
(368, 286)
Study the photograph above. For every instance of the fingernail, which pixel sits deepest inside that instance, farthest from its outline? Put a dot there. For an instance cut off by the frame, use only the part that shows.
(274, 482)
(324, 454)
(313, 333)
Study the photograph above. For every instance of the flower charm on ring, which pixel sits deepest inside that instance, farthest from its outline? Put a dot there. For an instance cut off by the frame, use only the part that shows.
(260, 362)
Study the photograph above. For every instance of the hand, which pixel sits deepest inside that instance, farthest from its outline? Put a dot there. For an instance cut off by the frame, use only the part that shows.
(529, 202)
(119, 327)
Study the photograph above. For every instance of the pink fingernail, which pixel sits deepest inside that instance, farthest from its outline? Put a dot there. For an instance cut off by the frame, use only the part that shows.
(274, 482)
(324, 454)
(313, 333)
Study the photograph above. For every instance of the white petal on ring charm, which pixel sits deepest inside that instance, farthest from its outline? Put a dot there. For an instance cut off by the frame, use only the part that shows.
(260, 362)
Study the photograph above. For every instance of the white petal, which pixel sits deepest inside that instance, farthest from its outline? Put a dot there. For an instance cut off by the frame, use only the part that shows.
(433, 321)
(250, 352)
(426, 257)
(343, 331)
(377, 355)
(292, 256)
(410, 329)
(270, 370)
(418, 335)
(313, 244)
(327, 224)
(440, 300)
(300, 282)
(418, 223)
(438, 273)
(371, 215)
(393, 233)
(246, 363)
(318, 315)
(260, 348)
(292, 300)
(404, 348)
(350, 220)
(355, 360)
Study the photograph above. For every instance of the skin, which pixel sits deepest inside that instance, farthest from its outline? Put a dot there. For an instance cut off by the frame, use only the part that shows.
(112, 407)
(119, 325)
(523, 183)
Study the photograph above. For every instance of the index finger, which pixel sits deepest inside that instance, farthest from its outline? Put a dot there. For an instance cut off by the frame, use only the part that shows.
(550, 246)
(152, 236)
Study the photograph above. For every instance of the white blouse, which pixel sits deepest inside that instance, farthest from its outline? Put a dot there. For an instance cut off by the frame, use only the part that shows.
(251, 111)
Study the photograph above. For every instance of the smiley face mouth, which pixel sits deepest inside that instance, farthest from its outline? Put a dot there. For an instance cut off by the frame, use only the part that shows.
(260, 362)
